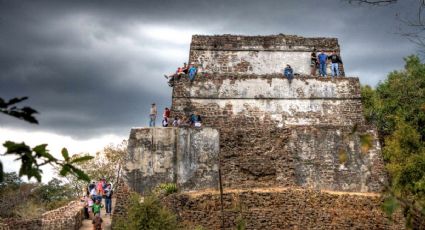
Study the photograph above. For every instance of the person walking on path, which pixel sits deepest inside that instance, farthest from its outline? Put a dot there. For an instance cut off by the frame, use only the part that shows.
(322, 63)
(96, 207)
(97, 222)
(335, 60)
(99, 186)
(108, 199)
(152, 115)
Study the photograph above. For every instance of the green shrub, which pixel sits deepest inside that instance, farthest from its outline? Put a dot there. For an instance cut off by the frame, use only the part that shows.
(147, 215)
(166, 188)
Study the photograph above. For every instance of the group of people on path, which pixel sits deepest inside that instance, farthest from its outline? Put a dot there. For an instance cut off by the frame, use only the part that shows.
(319, 62)
(190, 71)
(95, 193)
(193, 119)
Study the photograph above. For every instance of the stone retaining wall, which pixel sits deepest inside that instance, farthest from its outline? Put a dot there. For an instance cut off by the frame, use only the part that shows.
(68, 217)
(284, 209)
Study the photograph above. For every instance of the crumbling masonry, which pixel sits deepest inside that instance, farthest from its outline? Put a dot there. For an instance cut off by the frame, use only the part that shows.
(291, 155)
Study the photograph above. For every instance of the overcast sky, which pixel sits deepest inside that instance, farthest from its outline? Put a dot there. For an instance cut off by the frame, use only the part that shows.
(92, 68)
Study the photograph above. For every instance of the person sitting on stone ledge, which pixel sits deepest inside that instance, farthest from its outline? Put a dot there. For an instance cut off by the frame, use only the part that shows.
(196, 120)
(192, 72)
(185, 122)
(185, 68)
(175, 76)
(176, 122)
(165, 122)
(289, 73)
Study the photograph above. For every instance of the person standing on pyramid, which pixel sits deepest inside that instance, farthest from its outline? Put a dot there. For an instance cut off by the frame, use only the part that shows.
(335, 60)
(152, 115)
(322, 63)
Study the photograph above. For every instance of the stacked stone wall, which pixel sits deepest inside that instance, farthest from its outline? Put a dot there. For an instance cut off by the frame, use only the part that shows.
(68, 217)
(257, 54)
(284, 209)
(272, 132)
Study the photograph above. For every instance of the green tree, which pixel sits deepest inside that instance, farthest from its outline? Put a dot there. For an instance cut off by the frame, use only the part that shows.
(32, 159)
(149, 214)
(397, 108)
(105, 164)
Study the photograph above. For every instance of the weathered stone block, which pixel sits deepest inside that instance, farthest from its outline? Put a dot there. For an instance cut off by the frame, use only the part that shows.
(185, 156)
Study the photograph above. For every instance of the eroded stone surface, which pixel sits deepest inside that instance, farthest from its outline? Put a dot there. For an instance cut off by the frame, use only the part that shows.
(257, 54)
(185, 156)
(284, 209)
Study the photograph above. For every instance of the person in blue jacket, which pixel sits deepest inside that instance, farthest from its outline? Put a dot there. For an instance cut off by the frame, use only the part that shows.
(192, 72)
(289, 73)
(322, 63)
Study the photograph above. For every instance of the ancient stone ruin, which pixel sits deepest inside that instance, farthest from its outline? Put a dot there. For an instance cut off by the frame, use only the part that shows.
(287, 155)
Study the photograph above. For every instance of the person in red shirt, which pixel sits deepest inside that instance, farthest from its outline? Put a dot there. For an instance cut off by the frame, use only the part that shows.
(166, 113)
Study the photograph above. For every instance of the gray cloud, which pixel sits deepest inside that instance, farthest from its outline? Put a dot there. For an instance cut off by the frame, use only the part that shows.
(94, 67)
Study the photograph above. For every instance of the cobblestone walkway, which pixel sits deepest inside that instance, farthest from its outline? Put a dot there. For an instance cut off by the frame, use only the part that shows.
(87, 224)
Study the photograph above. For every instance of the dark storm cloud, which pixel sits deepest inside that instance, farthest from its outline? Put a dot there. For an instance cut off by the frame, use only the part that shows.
(94, 67)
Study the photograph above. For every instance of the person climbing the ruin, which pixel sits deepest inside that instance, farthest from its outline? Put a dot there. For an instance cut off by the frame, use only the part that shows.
(289, 73)
(192, 72)
(313, 63)
(108, 198)
(97, 222)
(335, 61)
(152, 115)
(322, 63)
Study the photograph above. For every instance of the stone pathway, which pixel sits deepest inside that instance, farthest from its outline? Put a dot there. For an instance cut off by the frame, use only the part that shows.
(87, 224)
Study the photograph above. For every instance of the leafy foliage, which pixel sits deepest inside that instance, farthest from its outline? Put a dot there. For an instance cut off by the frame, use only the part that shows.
(397, 108)
(31, 163)
(25, 113)
(148, 215)
(23, 199)
(31, 157)
(166, 188)
(105, 164)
